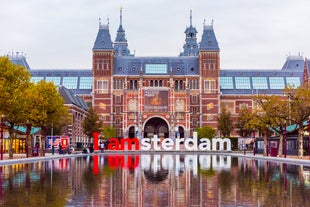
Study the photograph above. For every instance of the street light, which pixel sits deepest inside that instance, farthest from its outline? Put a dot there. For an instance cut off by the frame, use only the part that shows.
(53, 148)
(284, 133)
(254, 142)
(28, 128)
(2, 126)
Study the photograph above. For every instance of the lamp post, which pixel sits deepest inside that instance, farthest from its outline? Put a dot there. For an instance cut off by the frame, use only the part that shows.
(53, 148)
(267, 140)
(309, 137)
(284, 136)
(28, 128)
(2, 126)
(254, 142)
(244, 142)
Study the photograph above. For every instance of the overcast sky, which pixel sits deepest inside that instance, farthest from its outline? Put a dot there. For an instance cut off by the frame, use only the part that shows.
(252, 34)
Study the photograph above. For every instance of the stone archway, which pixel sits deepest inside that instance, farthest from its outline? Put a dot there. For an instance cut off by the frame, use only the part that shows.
(156, 126)
(132, 132)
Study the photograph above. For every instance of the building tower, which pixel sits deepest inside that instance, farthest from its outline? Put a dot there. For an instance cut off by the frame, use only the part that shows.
(190, 47)
(120, 43)
(102, 69)
(209, 66)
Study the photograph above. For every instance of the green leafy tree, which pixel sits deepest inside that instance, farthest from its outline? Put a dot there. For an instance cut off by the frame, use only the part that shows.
(91, 123)
(109, 131)
(205, 132)
(272, 112)
(45, 107)
(14, 83)
(244, 122)
(298, 105)
(225, 123)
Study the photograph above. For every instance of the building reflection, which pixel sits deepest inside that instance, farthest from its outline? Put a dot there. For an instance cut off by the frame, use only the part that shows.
(154, 180)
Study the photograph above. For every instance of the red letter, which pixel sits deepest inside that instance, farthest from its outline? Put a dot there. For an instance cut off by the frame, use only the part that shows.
(96, 135)
(113, 144)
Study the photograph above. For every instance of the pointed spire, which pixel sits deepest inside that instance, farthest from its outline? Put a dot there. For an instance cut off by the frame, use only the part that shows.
(120, 43)
(191, 18)
(190, 47)
(121, 16)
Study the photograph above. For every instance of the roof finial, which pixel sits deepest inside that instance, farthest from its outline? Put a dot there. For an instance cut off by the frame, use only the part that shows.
(108, 21)
(121, 15)
(191, 17)
(99, 21)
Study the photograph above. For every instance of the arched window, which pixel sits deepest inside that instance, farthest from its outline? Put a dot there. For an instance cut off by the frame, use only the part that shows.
(181, 85)
(176, 85)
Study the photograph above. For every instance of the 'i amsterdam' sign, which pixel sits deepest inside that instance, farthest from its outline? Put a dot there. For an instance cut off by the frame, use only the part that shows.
(168, 144)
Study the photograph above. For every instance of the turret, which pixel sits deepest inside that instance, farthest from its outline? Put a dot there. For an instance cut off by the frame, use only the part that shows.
(208, 40)
(190, 47)
(120, 44)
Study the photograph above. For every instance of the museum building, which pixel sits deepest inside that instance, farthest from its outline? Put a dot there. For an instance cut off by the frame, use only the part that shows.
(169, 96)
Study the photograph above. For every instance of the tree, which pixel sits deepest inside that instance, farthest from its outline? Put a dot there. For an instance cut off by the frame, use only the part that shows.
(14, 83)
(45, 107)
(244, 122)
(273, 113)
(205, 132)
(298, 104)
(91, 123)
(225, 123)
(109, 131)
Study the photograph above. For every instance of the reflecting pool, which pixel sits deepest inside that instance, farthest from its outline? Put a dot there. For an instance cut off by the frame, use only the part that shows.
(154, 180)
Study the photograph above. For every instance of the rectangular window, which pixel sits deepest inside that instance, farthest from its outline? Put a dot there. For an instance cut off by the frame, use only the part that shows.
(102, 86)
(36, 79)
(155, 68)
(226, 83)
(293, 81)
(70, 82)
(259, 83)
(210, 86)
(55, 80)
(118, 110)
(242, 82)
(118, 99)
(276, 82)
(86, 82)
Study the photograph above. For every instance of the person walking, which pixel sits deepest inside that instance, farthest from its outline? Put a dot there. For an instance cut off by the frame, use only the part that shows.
(101, 146)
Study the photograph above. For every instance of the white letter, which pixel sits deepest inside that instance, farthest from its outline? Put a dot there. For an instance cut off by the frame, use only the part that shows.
(167, 144)
(145, 144)
(193, 140)
(205, 144)
(155, 142)
(178, 142)
(221, 144)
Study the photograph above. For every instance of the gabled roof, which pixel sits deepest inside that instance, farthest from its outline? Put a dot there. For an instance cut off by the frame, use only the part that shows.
(208, 40)
(70, 98)
(103, 40)
(19, 59)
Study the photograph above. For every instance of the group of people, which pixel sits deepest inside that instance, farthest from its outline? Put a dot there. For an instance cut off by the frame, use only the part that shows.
(90, 148)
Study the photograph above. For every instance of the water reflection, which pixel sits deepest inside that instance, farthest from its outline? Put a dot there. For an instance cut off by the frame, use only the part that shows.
(154, 180)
